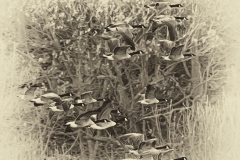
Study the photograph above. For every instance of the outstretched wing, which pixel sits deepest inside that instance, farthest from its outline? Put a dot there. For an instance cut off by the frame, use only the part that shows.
(127, 37)
(121, 50)
(105, 111)
(150, 92)
(104, 104)
(87, 114)
(176, 51)
(113, 43)
(52, 96)
(86, 95)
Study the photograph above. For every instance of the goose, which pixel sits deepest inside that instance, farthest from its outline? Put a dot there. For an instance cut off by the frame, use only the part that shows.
(87, 98)
(64, 107)
(30, 93)
(150, 96)
(105, 123)
(121, 53)
(105, 113)
(84, 119)
(162, 5)
(176, 54)
(37, 102)
(113, 43)
(53, 97)
(143, 147)
(116, 26)
(124, 30)
(149, 148)
(49, 97)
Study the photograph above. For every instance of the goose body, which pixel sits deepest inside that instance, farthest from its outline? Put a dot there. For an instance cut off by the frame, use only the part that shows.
(162, 5)
(37, 102)
(149, 96)
(176, 54)
(149, 148)
(102, 124)
(105, 123)
(143, 148)
(52, 98)
(82, 120)
(124, 25)
(121, 52)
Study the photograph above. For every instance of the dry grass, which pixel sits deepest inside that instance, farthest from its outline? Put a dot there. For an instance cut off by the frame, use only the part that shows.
(210, 130)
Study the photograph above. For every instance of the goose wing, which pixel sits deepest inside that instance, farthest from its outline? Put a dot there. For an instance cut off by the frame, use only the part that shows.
(127, 37)
(86, 95)
(121, 50)
(104, 104)
(96, 111)
(105, 111)
(176, 51)
(87, 115)
(150, 92)
(52, 96)
(147, 145)
(66, 105)
(113, 43)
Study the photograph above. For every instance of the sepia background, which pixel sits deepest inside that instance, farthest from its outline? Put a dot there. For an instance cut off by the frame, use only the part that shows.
(212, 135)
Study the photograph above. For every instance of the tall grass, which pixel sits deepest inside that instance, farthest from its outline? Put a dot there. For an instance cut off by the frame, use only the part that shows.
(210, 131)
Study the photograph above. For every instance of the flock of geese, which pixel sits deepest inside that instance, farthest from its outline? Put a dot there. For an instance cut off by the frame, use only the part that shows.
(101, 118)
(127, 49)
(98, 119)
